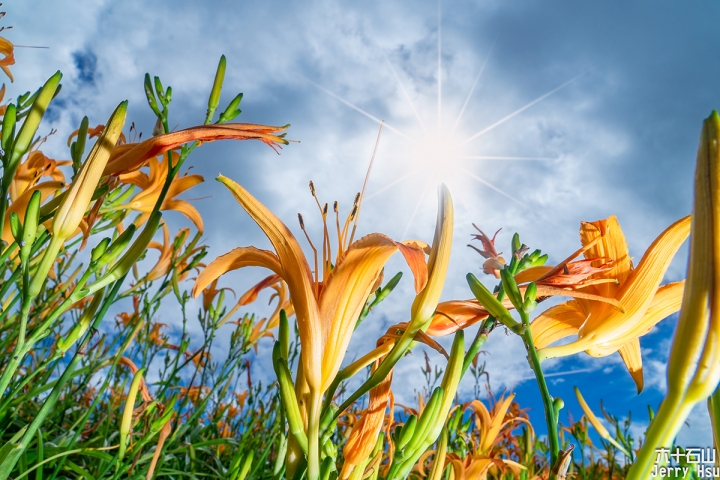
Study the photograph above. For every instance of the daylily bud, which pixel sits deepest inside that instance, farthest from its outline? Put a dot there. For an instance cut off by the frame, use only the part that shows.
(406, 432)
(30, 126)
(76, 200)
(214, 99)
(450, 381)
(168, 95)
(78, 146)
(511, 288)
(132, 255)
(245, 465)
(602, 431)
(426, 420)
(438, 467)
(151, 95)
(8, 128)
(529, 302)
(126, 422)
(231, 111)
(492, 304)
(539, 261)
(389, 287)
(116, 248)
(32, 217)
(16, 228)
(99, 250)
(82, 324)
(160, 91)
(516, 245)
(159, 423)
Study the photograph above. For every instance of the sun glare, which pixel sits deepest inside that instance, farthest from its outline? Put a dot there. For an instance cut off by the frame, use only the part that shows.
(437, 154)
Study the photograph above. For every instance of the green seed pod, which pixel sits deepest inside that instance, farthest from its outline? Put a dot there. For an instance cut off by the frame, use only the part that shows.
(214, 99)
(8, 129)
(30, 126)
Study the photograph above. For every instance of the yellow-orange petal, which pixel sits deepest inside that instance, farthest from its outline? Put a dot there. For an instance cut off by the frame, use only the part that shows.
(133, 157)
(612, 246)
(297, 275)
(252, 294)
(532, 274)
(237, 258)
(346, 290)
(20, 204)
(424, 305)
(557, 322)
(630, 354)
(186, 209)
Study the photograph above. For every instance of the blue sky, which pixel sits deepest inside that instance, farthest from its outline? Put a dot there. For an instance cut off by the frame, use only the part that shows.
(631, 85)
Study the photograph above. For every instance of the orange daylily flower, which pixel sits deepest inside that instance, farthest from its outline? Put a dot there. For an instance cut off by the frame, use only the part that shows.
(94, 132)
(29, 173)
(364, 433)
(152, 184)
(166, 249)
(20, 204)
(3, 108)
(7, 49)
(132, 156)
(494, 262)
(326, 310)
(602, 328)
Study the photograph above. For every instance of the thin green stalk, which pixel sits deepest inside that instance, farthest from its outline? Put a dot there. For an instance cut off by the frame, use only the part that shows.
(51, 400)
(551, 417)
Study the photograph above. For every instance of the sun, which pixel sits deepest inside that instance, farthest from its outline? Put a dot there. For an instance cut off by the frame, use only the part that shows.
(439, 154)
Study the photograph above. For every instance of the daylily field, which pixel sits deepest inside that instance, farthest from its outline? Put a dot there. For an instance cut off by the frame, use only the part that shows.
(93, 385)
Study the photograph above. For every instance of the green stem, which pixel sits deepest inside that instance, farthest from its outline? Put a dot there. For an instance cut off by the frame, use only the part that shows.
(314, 434)
(662, 431)
(54, 395)
(551, 416)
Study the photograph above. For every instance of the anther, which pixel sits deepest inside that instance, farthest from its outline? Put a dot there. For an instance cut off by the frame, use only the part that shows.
(312, 188)
(335, 207)
(300, 219)
(325, 210)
